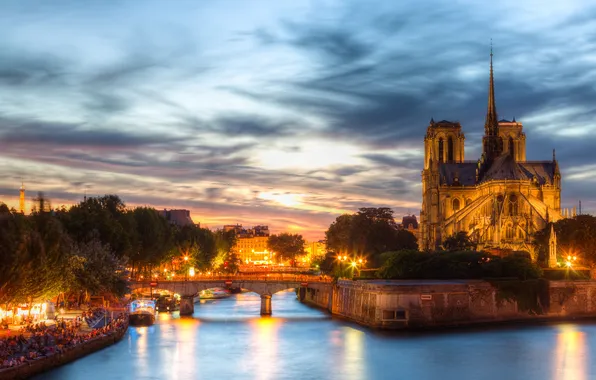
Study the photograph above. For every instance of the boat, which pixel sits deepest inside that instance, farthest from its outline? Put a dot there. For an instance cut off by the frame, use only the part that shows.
(142, 313)
(213, 294)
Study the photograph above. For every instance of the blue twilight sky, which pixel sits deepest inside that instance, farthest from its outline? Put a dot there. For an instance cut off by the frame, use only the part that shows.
(287, 113)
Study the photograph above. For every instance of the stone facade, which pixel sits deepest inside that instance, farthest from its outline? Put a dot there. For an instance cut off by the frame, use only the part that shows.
(432, 303)
(498, 200)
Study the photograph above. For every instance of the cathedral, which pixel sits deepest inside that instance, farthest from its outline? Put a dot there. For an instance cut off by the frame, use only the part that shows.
(499, 200)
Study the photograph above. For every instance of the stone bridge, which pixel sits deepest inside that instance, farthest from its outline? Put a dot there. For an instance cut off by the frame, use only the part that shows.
(264, 285)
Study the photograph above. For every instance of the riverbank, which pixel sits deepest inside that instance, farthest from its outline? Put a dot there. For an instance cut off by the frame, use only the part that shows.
(68, 354)
(433, 304)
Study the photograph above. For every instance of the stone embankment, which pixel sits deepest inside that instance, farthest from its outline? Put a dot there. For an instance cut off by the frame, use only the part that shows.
(407, 304)
(37, 366)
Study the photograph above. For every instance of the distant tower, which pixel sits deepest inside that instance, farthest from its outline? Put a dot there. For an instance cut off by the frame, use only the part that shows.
(22, 199)
(552, 248)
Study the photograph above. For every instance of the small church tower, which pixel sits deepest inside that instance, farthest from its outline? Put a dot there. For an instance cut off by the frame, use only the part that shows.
(22, 199)
(552, 248)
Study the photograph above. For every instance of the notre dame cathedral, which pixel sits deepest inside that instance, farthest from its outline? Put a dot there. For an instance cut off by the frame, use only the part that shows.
(499, 200)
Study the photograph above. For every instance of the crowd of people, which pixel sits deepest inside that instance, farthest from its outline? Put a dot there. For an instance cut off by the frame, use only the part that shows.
(40, 340)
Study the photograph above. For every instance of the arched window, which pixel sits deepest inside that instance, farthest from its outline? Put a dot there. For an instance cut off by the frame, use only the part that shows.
(499, 205)
(509, 232)
(450, 149)
(456, 205)
(513, 209)
(511, 148)
(441, 150)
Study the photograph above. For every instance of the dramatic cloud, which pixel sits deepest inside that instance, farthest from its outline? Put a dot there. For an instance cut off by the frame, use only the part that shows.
(284, 113)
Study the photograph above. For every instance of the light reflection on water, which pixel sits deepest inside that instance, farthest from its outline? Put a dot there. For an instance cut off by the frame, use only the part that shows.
(227, 339)
(570, 354)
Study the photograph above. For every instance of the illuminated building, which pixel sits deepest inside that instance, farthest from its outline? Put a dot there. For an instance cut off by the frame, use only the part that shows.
(251, 244)
(498, 200)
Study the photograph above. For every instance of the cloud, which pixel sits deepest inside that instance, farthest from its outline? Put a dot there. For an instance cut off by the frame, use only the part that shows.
(186, 106)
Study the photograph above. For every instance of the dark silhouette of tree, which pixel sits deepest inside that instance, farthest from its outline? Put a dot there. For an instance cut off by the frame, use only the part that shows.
(368, 233)
(286, 246)
(459, 242)
(575, 237)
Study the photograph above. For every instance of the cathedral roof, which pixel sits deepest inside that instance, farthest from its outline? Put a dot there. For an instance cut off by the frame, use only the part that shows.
(465, 172)
(503, 168)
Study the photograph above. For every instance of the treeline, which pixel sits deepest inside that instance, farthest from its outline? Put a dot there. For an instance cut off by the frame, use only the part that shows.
(87, 249)
(371, 239)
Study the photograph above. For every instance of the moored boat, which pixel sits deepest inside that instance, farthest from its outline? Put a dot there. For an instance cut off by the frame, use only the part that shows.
(142, 313)
(215, 293)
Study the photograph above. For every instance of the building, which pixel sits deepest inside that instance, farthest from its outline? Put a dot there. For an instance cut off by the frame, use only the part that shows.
(251, 244)
(498, 200)
(178, 217)
(410, 224)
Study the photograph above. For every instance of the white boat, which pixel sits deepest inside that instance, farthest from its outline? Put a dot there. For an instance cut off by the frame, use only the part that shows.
(142, 312)
(213, 294)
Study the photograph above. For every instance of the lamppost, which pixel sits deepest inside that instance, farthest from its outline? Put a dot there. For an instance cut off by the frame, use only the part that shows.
(570, 261)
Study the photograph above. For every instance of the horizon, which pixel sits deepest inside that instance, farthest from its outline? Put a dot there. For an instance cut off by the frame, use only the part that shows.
(287, 115)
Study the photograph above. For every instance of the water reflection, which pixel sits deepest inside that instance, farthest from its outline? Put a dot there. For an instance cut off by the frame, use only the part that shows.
(353, 360)
(264, 354)
(570, 354)
(227, 339)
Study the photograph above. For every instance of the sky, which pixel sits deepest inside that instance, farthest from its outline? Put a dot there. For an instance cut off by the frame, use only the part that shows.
(285, 113)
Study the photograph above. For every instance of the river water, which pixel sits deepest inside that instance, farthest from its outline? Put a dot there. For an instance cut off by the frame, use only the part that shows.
(226, 339)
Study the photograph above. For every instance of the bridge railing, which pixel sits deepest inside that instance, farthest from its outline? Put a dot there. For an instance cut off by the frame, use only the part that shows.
(243, 277)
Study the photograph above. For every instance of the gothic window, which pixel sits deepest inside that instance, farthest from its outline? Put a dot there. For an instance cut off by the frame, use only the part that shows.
(441, 150)
(520, 232)
(455, 205)
(450, 149)
(499, 204)
(513, 205)
(509, 232)
(511, 148)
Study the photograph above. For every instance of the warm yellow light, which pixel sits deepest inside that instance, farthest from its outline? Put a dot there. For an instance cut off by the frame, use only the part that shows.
(354, 264)
(185, 258)
(191, 271)
(574, 258)
(568, 263)
(360, 261)
(345, 257)
(165, 269)
(568, 257)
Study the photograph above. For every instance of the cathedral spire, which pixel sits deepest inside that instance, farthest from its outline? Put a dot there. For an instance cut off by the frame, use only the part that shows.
(491, 112)
(493, 146)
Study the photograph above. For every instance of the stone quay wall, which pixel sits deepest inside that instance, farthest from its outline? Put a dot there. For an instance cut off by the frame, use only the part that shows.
(403, 304)
(34, 367)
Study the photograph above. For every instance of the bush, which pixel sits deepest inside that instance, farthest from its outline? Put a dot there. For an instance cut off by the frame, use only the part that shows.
(455, 265)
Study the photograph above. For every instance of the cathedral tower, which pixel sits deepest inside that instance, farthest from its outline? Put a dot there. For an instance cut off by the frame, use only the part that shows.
(22, 199)
(491, 142)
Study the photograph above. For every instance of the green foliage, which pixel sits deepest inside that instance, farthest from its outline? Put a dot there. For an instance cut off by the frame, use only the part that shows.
(368, 233)
(154, 236)
(286, 246)
(575, 236)
(526, 294)
(459, 242)
(455, 265)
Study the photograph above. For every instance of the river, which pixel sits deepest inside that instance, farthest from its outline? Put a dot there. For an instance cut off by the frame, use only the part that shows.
(226, 339)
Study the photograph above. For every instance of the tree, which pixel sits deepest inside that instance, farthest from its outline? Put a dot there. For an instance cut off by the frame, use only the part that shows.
(459, 242)
(368, 233)
(286, 246)
(106, 215)
(575, 237)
